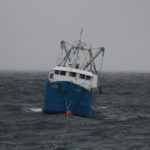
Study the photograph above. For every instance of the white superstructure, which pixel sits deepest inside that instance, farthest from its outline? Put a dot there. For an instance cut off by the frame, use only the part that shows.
(86, 79)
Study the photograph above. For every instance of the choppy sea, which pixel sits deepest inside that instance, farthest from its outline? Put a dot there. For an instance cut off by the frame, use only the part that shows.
(121, 120)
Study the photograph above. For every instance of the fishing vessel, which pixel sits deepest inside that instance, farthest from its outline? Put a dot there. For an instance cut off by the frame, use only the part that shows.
(74, 81)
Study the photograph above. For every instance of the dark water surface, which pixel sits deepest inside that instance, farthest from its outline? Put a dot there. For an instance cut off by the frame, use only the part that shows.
(121, 120)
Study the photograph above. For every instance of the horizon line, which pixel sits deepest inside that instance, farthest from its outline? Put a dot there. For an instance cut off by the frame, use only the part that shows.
(103, 71)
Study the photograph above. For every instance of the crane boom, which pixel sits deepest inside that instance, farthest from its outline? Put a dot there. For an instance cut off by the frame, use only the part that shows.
(101, 50)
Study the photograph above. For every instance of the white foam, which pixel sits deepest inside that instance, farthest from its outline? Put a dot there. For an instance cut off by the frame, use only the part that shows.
(103, 107)
(36, 109)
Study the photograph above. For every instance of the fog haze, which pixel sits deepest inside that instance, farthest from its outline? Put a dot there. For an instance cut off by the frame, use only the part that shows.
(31, 31)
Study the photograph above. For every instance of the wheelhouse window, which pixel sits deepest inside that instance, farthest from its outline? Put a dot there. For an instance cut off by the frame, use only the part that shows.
(63, 73)
(82, 76)
(57, 71)
(51, 76)
(88, 78)
(72, 74)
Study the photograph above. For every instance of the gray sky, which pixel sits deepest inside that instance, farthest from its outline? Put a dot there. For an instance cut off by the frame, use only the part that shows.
(31, 31)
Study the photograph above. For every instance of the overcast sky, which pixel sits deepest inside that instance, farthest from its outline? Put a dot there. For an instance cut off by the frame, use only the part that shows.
(31, 31)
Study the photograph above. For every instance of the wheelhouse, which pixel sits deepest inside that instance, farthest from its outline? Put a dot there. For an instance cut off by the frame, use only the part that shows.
(81, 77)
(70, 74)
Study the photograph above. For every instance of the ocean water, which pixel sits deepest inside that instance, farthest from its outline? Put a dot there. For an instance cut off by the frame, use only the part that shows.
(121, 119)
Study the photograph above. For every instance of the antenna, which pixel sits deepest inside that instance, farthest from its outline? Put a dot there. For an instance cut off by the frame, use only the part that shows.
(81, 33)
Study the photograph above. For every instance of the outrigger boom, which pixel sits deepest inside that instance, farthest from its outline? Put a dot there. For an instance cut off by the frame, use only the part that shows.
(72, 50)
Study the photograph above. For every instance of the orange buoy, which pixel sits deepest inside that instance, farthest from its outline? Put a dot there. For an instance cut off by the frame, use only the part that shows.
(68, 112)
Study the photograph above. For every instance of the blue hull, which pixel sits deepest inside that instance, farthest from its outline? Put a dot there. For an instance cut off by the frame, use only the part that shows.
(61, 96)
